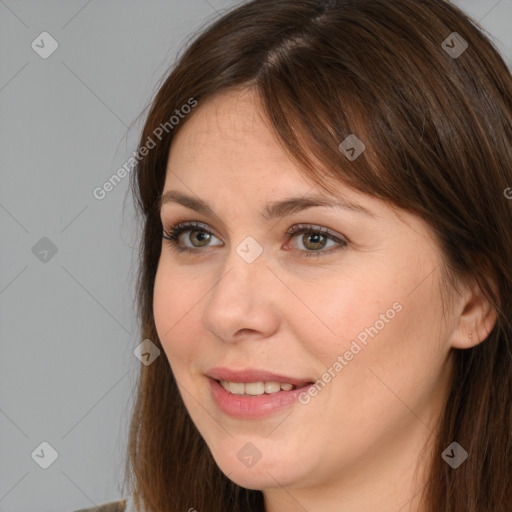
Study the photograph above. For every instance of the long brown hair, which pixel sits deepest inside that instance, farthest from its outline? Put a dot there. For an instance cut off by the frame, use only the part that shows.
(437, 127)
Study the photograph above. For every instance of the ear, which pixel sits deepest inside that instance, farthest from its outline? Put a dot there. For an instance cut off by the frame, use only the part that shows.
(476, 319)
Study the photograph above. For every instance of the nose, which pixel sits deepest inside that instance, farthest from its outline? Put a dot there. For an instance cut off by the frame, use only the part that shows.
(243, 301)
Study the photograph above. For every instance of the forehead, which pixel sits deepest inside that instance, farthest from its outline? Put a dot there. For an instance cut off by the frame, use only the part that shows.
(227, 126)
(227, 152)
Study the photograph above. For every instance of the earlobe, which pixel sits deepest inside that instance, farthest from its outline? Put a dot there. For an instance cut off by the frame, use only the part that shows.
(476, 320)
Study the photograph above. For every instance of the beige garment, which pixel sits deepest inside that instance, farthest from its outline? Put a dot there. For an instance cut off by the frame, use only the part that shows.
(112, 506)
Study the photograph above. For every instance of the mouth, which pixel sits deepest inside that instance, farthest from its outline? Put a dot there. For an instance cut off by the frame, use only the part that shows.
(258, 388)
(250, 394)
(256, 376)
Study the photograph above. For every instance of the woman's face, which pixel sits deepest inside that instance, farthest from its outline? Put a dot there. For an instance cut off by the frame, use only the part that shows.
(364, 319)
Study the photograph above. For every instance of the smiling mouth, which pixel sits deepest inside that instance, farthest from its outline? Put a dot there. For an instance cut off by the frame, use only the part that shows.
(258, 388)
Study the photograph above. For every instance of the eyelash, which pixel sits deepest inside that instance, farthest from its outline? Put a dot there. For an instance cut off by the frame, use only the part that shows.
(172, 236)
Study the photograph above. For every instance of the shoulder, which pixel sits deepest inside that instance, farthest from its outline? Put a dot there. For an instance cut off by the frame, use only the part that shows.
(112, 506)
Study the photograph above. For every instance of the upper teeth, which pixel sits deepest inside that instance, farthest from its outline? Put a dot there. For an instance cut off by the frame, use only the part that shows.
(255, 388)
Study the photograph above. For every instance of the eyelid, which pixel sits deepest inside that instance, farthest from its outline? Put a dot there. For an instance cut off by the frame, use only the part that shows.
(185, 226)
(297, 227)
(178, 228)
(340, 241)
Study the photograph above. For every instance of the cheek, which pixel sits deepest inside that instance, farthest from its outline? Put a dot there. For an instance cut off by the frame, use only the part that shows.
(390, 342)
(349, 310)
(175, 312)
(377, 324)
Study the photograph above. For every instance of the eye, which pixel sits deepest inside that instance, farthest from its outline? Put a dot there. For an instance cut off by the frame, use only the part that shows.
(314, 239)
(200, 233)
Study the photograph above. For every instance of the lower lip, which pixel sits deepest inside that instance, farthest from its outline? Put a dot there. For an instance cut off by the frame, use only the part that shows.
(243, 406)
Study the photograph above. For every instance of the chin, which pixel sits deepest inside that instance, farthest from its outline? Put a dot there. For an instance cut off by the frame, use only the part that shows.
(263, 474)
(251, 478)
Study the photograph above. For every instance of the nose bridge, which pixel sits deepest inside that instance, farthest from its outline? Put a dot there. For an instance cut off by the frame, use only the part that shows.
(239, 299)
(243, 270)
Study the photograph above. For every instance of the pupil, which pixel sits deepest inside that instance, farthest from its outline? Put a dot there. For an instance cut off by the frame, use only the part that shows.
(200, 234)
(317, 239)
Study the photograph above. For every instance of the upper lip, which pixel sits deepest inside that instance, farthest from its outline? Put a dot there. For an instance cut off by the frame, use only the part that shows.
(254, 375)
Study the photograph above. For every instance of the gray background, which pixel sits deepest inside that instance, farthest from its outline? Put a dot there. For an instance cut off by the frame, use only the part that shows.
(67, 320)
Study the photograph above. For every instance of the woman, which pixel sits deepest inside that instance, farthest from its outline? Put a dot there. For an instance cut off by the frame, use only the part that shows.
(325, 265)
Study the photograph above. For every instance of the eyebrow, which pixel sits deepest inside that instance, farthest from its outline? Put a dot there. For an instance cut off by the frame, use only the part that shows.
(272, 210)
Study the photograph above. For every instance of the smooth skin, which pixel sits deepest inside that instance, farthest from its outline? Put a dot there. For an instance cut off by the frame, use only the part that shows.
(355, 446)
